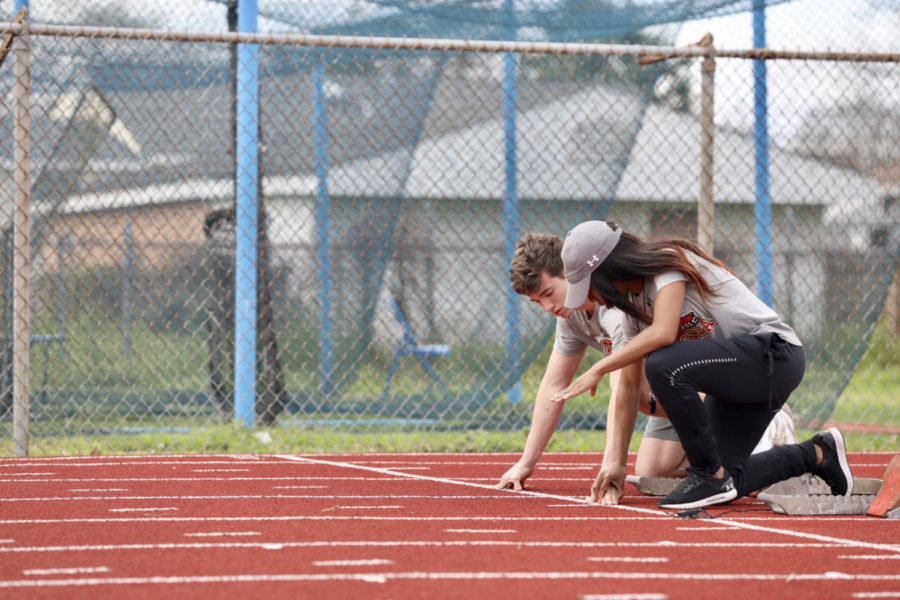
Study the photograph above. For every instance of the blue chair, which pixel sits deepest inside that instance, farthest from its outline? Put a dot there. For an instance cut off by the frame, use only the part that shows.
(408, 346)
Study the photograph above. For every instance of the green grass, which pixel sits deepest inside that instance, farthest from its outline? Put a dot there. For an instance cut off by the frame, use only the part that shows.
(872, 396)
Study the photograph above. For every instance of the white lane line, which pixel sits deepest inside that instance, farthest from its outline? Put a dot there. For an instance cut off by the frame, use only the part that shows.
(451, 576)
(7, 541)
(871, 556)
(368, 562)
(220, 470)
(581, 500)
(67, 571)
(877, 594)
(363, 507)
(193, 479)
(408, 544)
(628, 559)
(481, 530)
(240, 519)
(145, 509)
(624, 597)
(223, 534)
(268, 497)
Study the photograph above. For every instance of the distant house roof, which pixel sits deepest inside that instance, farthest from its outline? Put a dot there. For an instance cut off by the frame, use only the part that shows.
(570, 148)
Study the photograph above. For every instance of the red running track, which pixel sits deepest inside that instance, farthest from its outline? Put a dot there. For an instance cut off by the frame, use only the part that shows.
(407, 526)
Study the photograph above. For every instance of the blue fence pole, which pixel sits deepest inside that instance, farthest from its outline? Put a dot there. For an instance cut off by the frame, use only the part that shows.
(323, 229)
(511, 211)
(763, 206)
(246, 219)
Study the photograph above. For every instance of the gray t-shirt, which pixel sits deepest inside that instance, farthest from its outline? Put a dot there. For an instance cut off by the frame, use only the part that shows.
(735, 310)
(603, 331)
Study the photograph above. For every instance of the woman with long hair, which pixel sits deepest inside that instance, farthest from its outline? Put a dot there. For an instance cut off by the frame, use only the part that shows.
(696, 328)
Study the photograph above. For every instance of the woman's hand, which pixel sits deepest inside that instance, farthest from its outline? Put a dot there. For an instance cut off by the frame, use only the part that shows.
(588, 381)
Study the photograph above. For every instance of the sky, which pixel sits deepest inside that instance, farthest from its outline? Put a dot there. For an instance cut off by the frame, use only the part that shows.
(836, 25)
(795, 87)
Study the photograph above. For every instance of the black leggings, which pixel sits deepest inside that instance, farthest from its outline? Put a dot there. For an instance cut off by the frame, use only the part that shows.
(746, 380)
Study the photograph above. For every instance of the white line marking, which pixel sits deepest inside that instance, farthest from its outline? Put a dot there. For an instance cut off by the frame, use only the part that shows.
(628, 559)
(8, 541)
(624, 597)
(481, 530)
(220, 470)
(352, 563)
(876, 594)
(433, 576)
(569, 468)
(392, 507)
(167, 479)
(67, 571)
(581, 500)
(406, 544)
(871, 556)
(269, 497)
(146, 509)
(223, 534)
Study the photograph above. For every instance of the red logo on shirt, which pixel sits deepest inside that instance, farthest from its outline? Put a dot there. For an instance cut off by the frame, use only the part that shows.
(606, 344)
(692, 327)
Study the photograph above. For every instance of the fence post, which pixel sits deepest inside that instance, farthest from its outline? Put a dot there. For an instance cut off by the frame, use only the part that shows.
(21, 239)
(246, 220)
(763, 206)
(705, 208)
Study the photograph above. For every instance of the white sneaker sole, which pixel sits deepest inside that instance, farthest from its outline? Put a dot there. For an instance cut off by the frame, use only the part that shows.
(709, 501)
(841, 449)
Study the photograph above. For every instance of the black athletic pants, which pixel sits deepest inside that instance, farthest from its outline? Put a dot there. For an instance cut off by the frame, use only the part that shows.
(746, 380)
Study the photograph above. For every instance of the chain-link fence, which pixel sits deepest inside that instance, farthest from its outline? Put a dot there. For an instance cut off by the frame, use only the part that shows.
(393, 180)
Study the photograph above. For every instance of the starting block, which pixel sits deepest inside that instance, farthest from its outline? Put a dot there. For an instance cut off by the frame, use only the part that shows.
(809, 495)
(887, 502)
(654, 486)
(810, 485)
(818, 504)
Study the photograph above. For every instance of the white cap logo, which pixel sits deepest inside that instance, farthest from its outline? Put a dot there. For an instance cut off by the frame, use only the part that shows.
(593, 261)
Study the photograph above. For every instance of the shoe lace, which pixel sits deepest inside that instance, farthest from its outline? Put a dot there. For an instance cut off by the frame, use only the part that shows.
(690, 482)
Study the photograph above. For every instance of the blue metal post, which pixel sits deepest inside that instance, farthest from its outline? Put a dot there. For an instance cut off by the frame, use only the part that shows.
(323, 228)
(511, 206)
(247, 216)
(763, 207)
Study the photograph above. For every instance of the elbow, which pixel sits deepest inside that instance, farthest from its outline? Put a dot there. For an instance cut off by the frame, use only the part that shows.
(666, 336)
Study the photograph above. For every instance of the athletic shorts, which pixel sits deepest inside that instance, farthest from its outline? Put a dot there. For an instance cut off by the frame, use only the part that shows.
(660, 428)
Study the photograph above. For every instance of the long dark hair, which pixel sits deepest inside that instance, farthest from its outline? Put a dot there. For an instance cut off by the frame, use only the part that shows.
(634, 258)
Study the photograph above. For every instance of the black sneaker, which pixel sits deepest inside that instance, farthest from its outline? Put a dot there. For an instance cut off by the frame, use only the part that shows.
(698, 490)
(834, 469)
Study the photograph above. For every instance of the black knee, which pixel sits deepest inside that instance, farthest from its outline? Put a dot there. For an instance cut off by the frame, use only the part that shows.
(658, 368)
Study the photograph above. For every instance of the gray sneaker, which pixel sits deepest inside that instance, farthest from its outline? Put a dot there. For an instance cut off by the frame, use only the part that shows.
(699, 490)
(834, 468)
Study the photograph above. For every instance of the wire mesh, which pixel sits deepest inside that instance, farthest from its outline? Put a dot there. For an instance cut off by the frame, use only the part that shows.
(387, 202)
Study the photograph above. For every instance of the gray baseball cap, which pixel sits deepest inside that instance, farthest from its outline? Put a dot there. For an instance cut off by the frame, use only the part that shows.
(586, 246)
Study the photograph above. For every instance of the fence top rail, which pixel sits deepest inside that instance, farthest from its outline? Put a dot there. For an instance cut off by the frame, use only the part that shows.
(441, 44)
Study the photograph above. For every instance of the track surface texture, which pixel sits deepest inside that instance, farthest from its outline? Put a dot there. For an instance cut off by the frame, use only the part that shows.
(408, 526)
